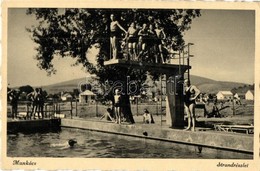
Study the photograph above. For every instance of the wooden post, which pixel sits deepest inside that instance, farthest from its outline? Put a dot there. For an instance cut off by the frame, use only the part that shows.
(76, 107)
(233, 105)
(161, 99)
(71, 107)
(96, 108)
(136, 106)
(27, 110)
(54, 108)
(45, 111)
(157, 108)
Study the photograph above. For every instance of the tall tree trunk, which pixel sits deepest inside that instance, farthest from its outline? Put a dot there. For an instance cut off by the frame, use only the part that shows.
(126, 109)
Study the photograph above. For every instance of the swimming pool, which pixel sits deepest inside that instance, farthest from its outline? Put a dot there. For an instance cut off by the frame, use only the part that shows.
(99, 145)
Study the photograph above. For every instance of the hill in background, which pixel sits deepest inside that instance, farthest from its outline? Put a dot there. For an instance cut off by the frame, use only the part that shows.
(204, 84)
(211, 86)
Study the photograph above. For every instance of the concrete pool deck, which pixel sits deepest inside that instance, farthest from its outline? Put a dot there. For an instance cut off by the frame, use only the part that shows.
(236, 142)
(224, 144)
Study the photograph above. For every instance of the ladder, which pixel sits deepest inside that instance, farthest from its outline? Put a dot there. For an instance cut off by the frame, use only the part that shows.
(182, 54)
(186, 54)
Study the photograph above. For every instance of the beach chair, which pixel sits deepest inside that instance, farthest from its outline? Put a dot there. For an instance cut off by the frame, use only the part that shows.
(220, 127)
(248, 129)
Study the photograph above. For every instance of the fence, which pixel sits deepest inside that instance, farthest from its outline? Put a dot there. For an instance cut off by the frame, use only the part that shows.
(51, 109)
(70, 109)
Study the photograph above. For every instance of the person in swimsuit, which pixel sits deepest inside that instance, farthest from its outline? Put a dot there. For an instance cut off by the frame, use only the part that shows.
(159, 41)
(132, 40)
(13, 97)
(191, 93)
(114, 34)
(151, 43)
(41, 102)
(117, 106)
(143, 40)
(147, 117)
(33, 96)
(108, 115)
(138, 46)
(69, 144)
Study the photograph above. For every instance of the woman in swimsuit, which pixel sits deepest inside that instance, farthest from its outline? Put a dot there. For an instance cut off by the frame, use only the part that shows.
(191, 93)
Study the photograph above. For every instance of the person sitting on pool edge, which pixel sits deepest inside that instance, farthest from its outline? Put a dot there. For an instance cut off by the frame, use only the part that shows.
(108, 115)
(147, 117)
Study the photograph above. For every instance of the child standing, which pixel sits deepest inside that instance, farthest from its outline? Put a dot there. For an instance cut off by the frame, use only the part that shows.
(117, 106)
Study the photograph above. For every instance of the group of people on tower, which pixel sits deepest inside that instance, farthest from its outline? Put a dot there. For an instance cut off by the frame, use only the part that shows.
(141, 41)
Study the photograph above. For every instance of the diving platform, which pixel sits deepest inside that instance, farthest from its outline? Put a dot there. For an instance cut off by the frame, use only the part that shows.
(159, 67)
(174, 88)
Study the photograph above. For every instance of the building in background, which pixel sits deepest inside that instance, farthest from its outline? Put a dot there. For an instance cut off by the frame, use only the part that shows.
(224, 95)
(250, 95)
(86, 96)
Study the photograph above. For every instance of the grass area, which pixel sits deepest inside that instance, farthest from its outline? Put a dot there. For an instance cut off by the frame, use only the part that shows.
(237, 114)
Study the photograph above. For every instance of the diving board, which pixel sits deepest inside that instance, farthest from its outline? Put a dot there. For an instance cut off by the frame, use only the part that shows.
(162, 68)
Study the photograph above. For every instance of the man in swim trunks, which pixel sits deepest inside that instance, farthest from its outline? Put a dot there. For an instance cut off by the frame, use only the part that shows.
(159, 41)
(114, 34)
(132, 40)
(143, 40)
(13, 96)
(191, 93)
(69, 144)
(117, 106)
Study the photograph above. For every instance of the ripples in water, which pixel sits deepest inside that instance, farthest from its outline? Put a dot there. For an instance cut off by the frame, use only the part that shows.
(93, 145)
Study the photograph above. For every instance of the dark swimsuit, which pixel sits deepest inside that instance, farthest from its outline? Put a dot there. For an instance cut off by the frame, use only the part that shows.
(118, 103)
(188, 95)
(132, 39)
(144, 35)
(114, 33)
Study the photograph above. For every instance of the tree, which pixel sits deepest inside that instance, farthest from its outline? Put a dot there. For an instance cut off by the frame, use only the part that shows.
(27, 89)
(74, 32)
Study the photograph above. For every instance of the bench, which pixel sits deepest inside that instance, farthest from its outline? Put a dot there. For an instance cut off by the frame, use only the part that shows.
(234, 128)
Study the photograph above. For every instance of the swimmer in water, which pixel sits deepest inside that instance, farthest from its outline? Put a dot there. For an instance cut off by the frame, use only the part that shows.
(70, 143)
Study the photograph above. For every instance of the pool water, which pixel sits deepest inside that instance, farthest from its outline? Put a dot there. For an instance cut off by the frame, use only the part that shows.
(95, 145)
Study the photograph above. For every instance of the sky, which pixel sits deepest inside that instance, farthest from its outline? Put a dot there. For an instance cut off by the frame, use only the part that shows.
(224, 49)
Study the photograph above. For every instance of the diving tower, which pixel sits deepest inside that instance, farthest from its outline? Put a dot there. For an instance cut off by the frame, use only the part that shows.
(174, 85)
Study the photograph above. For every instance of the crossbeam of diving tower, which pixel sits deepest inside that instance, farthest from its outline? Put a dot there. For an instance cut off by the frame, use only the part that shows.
(174, 89)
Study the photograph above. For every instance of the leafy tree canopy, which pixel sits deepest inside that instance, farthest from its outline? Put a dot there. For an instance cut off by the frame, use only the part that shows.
(27, 89)
(73, 32)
